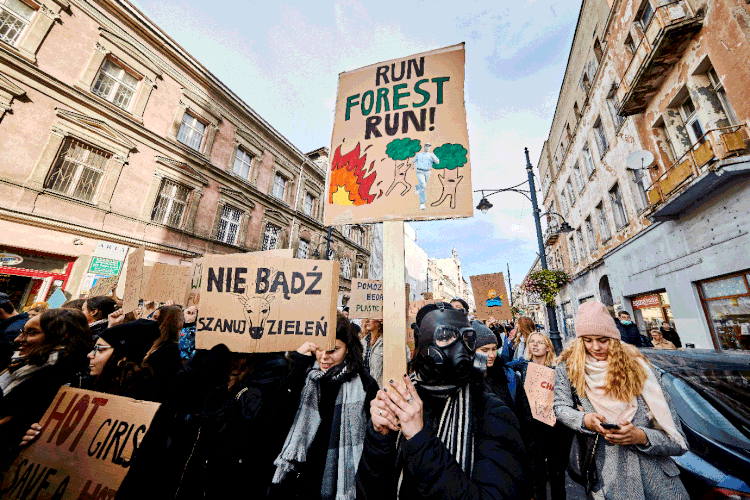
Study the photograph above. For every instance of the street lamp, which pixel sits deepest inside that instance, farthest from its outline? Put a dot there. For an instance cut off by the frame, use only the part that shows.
(328, 239)
(530, 194)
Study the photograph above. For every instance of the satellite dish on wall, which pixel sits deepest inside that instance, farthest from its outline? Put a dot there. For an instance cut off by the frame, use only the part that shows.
(638, 160)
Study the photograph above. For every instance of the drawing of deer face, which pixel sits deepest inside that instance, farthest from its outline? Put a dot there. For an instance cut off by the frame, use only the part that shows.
(256, 309)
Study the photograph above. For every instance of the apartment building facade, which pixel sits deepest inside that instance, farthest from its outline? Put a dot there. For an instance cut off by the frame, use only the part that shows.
(112, 137)
(664, 240)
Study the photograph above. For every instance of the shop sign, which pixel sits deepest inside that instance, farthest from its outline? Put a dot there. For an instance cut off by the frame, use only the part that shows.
(10, 259)
(646, 301)
(108, 250)
(105, 267)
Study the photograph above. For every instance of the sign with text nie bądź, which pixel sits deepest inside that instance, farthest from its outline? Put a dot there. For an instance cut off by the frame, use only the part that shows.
(400, 146)
(257, 303)
(84, 450)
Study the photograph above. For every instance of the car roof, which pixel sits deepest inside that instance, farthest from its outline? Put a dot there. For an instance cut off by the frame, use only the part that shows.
(697, 359)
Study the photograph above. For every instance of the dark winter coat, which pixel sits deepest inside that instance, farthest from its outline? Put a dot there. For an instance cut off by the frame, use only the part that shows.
(97, 327)
(629, 333)
(306, 481)
(166, 363)
(208, 441)
(431, 472)
(671, 335)
(9, 330)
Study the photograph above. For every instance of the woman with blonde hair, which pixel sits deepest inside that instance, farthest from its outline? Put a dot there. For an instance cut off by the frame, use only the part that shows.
(606, 388)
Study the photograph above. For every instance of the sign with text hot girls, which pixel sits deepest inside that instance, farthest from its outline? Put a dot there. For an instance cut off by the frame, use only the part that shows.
(260, 303)
(540, 391)
(400, 147)
(490, 296)
(84, 450)
(367, 299)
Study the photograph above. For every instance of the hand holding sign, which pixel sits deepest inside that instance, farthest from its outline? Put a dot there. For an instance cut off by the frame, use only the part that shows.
(540, 387)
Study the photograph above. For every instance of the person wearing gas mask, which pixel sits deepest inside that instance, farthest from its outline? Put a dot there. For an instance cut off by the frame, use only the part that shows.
(438, 434)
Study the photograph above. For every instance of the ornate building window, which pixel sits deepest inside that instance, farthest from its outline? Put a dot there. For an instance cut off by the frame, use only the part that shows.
(14, 17)
(78, 170)
(346, 268)
(279, 186)
(271, 237)
(170, 204)
(229, 225)
(303, 249)
(192, 132)
(114, 84)
(243, 163)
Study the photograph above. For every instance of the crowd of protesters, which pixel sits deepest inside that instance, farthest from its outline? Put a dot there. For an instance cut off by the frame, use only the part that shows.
(324, 424)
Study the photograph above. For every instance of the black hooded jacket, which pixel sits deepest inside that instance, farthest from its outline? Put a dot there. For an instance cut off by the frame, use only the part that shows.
(429, 469)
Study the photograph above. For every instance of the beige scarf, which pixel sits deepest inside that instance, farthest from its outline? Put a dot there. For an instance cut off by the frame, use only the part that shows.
(614, 410)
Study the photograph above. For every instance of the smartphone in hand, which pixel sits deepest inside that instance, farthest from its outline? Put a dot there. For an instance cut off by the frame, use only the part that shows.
(608, 426)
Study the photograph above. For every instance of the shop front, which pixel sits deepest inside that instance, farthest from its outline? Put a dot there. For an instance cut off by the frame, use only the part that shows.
(651, 310)
(726, 303)
(28, 276)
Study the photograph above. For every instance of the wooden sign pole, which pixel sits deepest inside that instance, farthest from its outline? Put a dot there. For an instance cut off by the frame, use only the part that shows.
(394, 302)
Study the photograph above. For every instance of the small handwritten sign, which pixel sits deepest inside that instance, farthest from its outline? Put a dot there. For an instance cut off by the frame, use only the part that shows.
(540, 390)
(367, 299)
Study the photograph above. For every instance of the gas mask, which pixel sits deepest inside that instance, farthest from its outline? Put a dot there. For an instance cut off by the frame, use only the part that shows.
(446, 343)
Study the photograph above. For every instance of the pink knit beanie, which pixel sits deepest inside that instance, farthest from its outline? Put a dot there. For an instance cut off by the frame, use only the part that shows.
(593, 320)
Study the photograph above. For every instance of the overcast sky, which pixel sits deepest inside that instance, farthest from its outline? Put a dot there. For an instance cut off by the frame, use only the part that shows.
(283, 59)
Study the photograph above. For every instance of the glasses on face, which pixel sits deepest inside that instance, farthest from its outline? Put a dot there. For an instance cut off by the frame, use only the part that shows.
(29, 333)
(536, 342)
(99, 348)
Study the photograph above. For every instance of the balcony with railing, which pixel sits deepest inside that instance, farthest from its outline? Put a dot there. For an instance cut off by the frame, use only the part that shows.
(664, 40)
(551, 234)
(714, 160)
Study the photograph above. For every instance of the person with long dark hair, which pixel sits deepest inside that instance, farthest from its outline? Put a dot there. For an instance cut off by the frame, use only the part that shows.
(330, 392)
(51, 352)
(96, 310)
(441, 435)
(164, 355)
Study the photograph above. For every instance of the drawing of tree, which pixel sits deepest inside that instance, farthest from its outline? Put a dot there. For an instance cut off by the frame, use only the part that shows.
(452, 157)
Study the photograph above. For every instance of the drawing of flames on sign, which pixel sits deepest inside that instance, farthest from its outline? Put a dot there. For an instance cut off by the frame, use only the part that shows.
(349, 185)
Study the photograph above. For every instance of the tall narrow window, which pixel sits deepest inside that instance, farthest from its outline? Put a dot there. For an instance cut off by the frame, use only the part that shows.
(581, 244)
(346, 268)
(229, 225)
(601, 137)
(271, 237)
(571, 193)
(14, 17)
(360, 270)
(645, 14)
(588, 160)
(618, 207)
(601, 216)
(279, 186)
(639, 180)
(576, 112)
(243, 163)
(347, 230)
(586, 84)
(614, 109)
(598, 52)
(564, 202)
(721, 93)
(572, 248)
(578, 177)
(170, 204)
(115, 84)
(78, 170)
(192, 131)
(309, 203)
(590, 234)
(630, 44)
(690, 117)
(303, 248)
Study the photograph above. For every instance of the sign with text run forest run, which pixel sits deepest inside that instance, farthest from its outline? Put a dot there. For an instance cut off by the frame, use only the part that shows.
(259, 303)
(400, 146)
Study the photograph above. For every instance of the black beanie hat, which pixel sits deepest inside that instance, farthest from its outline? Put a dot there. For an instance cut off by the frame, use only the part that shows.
(132, 339)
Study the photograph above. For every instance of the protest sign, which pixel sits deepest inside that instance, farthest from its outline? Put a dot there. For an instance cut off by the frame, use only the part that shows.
(415, 306)
(260, 303)
(490, 296)
(57, 299)
(396, 123)
(167, 282)
(133, 280)
(103, 286)
(366, 301)
(194, 288)
(540, 391)
(84, 449)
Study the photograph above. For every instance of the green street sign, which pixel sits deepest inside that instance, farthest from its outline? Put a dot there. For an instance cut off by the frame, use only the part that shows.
(105, 267)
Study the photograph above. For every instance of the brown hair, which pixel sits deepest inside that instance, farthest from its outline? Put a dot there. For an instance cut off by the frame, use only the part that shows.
(73, 304)
(65, 329)
(104, 306)
(626, 376)
(526, 327)
(170, 323)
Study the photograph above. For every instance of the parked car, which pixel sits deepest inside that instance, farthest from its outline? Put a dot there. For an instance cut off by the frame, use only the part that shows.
(711, 392)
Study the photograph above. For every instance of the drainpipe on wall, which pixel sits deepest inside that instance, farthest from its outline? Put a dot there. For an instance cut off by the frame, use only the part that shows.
(296, 203)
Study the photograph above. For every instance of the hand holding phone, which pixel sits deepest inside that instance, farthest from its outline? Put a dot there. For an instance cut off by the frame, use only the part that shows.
(609, 427)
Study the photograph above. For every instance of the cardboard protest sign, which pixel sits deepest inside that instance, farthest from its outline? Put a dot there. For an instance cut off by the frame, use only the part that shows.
(194, 287)
(257, 303)
(366, 301)
(57, 299)
(167, 282)
(133, 280)
(415, 306)
(540, 390)
(84, 449)
(400, 143)
(104, 286)
(490, 296)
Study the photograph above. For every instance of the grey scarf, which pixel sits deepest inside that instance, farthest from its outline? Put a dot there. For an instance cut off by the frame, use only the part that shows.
(10, 379)
(347, 436)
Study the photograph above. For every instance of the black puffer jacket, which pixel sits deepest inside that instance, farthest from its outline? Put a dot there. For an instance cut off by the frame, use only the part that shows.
(431, 472)
(629, 333)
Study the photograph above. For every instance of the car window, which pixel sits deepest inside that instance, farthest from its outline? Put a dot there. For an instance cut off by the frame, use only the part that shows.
(714, 403)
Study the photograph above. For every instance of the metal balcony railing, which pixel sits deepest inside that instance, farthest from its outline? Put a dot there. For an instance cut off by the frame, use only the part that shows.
(663, 30)
(715, 144)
